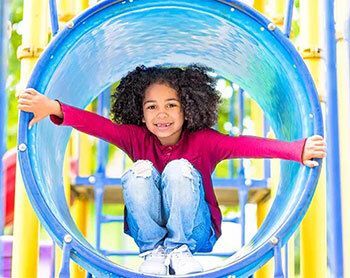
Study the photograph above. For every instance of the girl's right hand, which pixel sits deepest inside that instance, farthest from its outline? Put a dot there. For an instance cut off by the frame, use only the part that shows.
(40, 105)
(315, 147)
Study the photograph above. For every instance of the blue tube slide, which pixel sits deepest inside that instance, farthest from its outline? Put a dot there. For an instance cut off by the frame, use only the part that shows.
(113, 37)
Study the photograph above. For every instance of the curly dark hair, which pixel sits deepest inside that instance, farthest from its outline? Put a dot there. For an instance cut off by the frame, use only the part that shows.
(195, 88)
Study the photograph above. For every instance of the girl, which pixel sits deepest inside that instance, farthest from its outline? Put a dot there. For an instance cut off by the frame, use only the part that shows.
(162, 119)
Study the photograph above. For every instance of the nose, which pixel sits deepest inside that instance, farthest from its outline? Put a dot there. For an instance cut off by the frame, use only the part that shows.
(162, 112)
(162, 115)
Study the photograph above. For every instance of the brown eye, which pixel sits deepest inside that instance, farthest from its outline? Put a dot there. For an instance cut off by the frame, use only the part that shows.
(151, 107)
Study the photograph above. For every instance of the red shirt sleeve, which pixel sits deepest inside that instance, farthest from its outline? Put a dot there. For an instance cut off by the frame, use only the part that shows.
(93, 124)
(225, 147)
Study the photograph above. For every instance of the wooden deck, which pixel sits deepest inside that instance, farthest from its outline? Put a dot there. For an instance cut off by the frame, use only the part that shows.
(225, 196)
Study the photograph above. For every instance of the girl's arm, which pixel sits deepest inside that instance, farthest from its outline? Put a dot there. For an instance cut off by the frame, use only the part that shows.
(61, 114)
(303, 151)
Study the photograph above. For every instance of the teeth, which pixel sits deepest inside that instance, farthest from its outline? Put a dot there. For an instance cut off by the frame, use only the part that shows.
(163, 125)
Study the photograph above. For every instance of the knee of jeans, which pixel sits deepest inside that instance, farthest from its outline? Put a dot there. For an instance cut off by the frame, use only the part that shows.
(179, 175)
(178, 168)
(140, 169)
(139, 181)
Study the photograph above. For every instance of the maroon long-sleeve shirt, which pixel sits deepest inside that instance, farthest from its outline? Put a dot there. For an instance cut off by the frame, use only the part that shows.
(204, 149)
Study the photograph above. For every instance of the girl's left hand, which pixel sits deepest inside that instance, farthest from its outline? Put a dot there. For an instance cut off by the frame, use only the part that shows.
(315, 147)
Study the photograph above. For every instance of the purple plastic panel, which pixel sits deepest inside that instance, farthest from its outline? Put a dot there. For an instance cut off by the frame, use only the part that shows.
(46, 258)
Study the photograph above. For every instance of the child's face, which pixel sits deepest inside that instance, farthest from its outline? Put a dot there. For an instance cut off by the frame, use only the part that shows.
(163, 114)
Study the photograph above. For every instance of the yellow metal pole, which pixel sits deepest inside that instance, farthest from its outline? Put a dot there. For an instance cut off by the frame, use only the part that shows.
(313, 241)
(26, 227)
(257, 117)
(260, 5)
(81, 5)
(276, 8)
(291, 257)
(66, 10)
(79, 211)
(342, 17)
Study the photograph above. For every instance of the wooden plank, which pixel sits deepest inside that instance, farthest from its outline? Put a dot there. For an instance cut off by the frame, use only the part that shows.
(225, 196)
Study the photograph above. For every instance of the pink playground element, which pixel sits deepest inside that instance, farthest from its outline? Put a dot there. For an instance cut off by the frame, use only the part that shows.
(9, 170)
(46, 260)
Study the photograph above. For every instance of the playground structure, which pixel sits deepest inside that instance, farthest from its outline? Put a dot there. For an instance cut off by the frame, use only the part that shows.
(302, 107)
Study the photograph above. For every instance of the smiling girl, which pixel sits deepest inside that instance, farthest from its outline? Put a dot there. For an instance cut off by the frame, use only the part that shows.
(162, 118)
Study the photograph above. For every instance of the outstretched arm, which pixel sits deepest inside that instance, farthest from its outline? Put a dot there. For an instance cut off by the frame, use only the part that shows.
(62, 114)
(304, 150)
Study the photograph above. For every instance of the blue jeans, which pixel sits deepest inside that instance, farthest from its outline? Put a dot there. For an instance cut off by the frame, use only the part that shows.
(167, 209)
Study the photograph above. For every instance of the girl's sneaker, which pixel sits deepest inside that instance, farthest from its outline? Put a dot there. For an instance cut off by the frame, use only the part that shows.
(154, 262)
(181, 261)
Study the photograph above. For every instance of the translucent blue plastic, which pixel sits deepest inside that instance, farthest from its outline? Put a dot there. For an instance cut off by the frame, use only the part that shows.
(114, 37)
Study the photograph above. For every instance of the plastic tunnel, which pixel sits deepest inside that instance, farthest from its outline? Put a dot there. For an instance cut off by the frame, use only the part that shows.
(113, 37)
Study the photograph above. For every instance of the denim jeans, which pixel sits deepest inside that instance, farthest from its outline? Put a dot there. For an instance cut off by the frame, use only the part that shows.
(167, 209)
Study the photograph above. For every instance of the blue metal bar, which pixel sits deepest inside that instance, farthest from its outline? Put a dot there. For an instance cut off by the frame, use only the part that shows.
(231, 219)
(243, 191)
(231, 169)
(100, 175)
(64, 272)
(54, 257)
(3, 101)
(286, 269)
(99, 192)
(134, 253)
(240, 126)
(278, 262)
(241, 109)
(53, 17)
(287, 24)
(111, 218)
(120, 219)
(243, 197)
(334, 213)
(235, 183)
